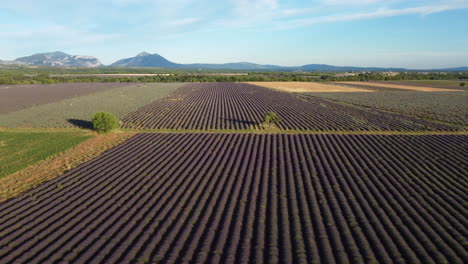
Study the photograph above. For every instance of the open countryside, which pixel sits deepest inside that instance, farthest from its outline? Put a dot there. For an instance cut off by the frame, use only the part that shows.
(265, 131)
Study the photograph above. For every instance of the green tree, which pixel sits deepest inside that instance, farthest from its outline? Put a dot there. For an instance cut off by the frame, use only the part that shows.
(270, 118)
(462, 84)
(104, 122)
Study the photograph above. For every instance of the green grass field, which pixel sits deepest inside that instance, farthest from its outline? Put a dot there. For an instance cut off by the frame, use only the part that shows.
(21, 149)
(77, 111)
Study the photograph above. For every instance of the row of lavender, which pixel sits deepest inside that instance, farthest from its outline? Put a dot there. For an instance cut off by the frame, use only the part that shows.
(233, 106)
(245, 198)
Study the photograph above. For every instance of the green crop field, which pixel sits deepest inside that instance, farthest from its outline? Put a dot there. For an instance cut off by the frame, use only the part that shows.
(21, 149)
(77, 111)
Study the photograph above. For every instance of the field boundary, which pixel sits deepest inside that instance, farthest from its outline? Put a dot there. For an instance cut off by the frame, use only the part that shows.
(289, 132)
(34, 175)
(243, 131)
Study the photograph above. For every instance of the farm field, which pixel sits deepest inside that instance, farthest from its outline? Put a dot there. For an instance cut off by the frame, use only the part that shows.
(240, 106)
(53, 166)
(250, 198)
(77, 111)
(304, 87)
(448, 107)
(397, 86)
(18, 97)
(449, 84)
(21, 149)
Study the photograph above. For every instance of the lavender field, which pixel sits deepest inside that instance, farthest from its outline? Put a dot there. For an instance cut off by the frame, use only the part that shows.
(247, 198)
(233, 106)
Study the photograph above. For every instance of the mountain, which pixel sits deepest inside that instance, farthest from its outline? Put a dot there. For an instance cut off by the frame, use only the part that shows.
(145, 59)
(457, 69)
(60, 59)
(3, 62)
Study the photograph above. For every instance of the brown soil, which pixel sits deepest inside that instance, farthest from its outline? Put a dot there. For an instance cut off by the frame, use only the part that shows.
(17, 97)
(309, 87)
(404, 87)
(34, 175)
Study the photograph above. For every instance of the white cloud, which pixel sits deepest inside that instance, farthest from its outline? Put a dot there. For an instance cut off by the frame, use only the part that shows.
(443, 54)
(126, 2)
(184, 21)
(254, 7)
(56, 34)
(382, 12)
(350, 2)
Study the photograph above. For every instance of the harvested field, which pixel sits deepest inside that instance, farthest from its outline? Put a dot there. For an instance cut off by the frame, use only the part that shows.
(205, 106)
(448, 107)
(397, 86)
(305, 87)
(77, 111)
(244, 198)
(445, 84)
(17, 97)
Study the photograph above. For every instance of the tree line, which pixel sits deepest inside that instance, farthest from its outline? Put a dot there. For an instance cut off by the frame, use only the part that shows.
(43, 76)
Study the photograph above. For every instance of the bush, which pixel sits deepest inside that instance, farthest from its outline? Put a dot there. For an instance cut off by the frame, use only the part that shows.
(104, 122)
(270, 118)
(462, 84)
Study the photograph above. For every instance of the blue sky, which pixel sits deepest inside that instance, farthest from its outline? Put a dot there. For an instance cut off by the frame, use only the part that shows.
(393, 33)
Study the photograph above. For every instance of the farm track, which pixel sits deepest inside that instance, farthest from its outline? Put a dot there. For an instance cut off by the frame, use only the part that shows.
(240, 106)
(250, 198)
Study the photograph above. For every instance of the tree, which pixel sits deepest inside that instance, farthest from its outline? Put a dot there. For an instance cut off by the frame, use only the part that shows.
(270, 118)
(104, 122)
(462, 84)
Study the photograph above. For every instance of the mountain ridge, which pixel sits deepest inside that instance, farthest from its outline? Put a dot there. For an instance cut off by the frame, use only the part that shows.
(60, 59)
(145, 59)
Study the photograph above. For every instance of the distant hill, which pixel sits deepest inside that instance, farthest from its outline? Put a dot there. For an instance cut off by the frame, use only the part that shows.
(145, 59)
(60, 59)
(458, 69)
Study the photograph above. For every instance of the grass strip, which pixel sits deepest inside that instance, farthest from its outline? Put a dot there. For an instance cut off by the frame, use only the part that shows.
(33, 175)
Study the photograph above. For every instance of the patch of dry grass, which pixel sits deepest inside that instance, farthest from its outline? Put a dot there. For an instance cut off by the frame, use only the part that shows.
(309, 87)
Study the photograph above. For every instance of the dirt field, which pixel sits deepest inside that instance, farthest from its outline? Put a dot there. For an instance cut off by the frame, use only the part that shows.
(18, 97)
(309, 87)
(404, 87)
